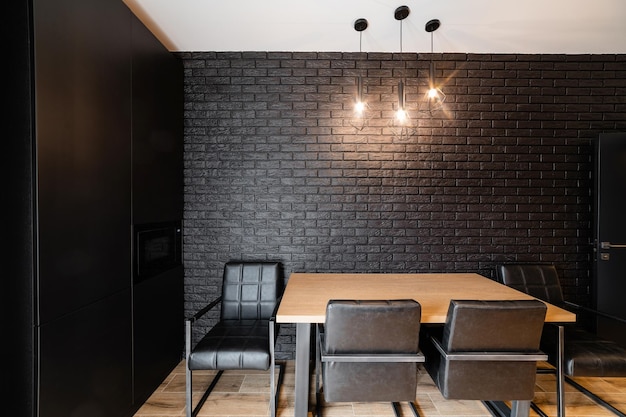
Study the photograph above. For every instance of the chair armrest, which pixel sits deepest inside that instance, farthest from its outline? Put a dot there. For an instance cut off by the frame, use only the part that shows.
(189, 322)
(204, 310)
(594, 312)
(273, 318)
(273, 327)
(489, 356)
(375, 357)
(369, 357)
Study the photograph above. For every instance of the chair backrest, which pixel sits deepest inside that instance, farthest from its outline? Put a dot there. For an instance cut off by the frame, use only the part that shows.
(494, 326)
(539, 280)
(371, 327)
(251, 290)
(477, 338)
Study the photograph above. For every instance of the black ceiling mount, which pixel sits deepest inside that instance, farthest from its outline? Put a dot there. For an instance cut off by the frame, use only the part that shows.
(360, 25)
(402, 12)
(432, 25)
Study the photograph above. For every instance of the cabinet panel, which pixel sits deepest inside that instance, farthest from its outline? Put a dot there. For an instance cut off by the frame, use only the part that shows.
(157, 172)
(82, 55)
(85, 361)
(17, 174)
(158, 330)
(157, 91)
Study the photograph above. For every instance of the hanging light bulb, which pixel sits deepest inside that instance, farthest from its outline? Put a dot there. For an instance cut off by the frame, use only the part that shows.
(359, 106)
(400, 14)
(434, 97)
(401, 113)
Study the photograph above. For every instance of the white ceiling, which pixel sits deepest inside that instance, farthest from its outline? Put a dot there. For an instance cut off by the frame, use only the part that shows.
(467, 26)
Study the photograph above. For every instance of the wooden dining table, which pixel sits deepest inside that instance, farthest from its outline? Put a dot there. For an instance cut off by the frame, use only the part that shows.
(306, 295)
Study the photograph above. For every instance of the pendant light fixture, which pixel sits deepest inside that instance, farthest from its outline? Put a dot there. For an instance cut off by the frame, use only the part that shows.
(359, 106)
(434, 97)
(400, 14)
(360, 115)
(401, 126)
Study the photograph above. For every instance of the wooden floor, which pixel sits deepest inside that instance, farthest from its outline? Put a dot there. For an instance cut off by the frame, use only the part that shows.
(247, 394)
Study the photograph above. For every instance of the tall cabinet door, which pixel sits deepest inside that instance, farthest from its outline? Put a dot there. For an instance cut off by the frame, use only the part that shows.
(82, 56)
(17, 195)
(157, 91)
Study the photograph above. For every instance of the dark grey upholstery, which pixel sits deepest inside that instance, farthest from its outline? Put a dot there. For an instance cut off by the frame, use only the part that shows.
(245, 334)
(233, 344)
(369, 350)
(487, 350)
(250, 290)
(585, 353)
(539, 280)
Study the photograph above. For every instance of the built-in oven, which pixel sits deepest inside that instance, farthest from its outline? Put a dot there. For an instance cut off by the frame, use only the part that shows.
(157, 248)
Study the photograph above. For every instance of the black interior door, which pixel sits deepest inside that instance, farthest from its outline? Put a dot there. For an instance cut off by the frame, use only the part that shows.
(610, 232)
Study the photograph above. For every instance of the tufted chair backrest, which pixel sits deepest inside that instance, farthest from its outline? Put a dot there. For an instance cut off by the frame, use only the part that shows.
(539, 280)
(250, 290)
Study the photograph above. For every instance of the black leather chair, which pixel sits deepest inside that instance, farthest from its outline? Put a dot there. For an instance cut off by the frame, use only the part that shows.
(585, 354)
(368, 351)
(488, 351)
(245, 334)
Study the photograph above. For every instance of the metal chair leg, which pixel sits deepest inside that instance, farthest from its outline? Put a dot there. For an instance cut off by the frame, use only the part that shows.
(591, 395)
(318, 370)
(188, 391)
(396, 409)
(414, 409)
(273, 391)
(188, 386)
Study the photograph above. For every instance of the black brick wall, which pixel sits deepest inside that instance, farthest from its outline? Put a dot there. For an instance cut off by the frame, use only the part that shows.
(275, 168)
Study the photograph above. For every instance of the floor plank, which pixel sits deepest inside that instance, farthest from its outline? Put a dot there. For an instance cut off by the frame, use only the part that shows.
(246, 393)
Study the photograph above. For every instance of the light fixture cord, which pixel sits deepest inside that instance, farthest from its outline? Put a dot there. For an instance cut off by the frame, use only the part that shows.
(431, 42)
(360, 41)
(401, 57)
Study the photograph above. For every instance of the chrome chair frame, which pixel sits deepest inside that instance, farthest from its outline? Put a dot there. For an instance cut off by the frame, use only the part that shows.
(192, 411)
(517, 407)
(322, 356)
(555, 291)
(274, 384)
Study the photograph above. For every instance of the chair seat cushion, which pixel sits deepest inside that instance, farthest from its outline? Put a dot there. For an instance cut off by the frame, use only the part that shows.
(233, 344)
(586, 354)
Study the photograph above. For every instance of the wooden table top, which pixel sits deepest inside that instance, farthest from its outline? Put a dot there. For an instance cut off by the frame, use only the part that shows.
(306, 294)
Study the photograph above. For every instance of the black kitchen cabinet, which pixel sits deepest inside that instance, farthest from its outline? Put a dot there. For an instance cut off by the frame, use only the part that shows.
(85, 362)
(158, 334)
(157, 199)
(87, 82)
(83, 163)
(157, 131)
(83, 122)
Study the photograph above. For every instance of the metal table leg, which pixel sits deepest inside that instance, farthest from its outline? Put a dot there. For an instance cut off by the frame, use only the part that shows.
(560, 377)
(303, 342)
(520, 408)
